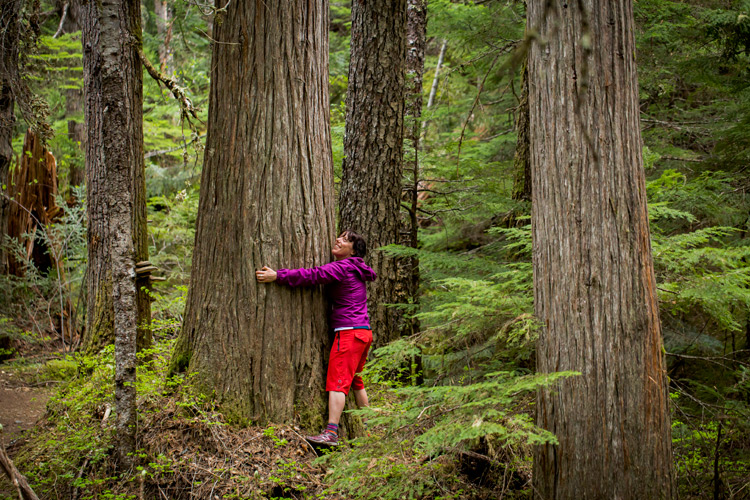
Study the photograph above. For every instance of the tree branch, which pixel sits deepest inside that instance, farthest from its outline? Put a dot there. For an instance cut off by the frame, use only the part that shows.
(18, 480)
(62, 21)
(178, 92)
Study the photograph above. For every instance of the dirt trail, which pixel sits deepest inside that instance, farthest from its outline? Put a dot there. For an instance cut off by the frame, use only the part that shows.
(20, 405)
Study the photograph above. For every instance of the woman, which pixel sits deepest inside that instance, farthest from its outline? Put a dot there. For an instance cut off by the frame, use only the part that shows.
(346, 277)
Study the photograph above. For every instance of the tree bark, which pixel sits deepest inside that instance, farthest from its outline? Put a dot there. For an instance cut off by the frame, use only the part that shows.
(416, 21)
(116, 197)
(370, 193)
(113, 97)
(9, 33)
(266, 199)
(594, 285)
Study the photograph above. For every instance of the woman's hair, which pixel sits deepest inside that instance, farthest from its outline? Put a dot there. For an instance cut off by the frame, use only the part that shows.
(359, 245)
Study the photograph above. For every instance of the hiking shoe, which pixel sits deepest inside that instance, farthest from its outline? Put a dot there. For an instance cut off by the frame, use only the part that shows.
(324, 438)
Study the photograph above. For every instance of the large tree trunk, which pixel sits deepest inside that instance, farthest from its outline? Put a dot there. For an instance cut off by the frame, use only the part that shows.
(8, 62)
(594, 286)
(116, 196)
(370, 193)
(113, 98)
(266, 199)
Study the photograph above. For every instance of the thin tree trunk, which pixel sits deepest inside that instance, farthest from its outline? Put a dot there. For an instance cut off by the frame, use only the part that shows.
(370, 193)
(71, 23)
(9, 32)
(594, 285)
(114, 123)
(436, 76)
(77, 134)
(116, 196)
(266, 199)
(416, 18)
(164, 31)
(521, 164)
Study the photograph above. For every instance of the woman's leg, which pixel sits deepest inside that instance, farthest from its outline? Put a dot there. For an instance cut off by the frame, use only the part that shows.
(336, 403)
(360, 396)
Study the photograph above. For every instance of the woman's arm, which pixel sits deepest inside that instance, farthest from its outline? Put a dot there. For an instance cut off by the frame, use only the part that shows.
(321, 275)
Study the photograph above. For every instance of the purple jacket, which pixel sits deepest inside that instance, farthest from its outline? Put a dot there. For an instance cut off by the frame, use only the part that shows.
(348, 293)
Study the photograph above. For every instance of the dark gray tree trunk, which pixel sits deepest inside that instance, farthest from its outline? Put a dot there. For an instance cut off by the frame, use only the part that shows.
(521, 164)
(266, 199)
(116, 196)
(77, 134)
(74, 96)
(370, 195)
(113, 98)
(416, 20)
(9, 33)
(594, 285)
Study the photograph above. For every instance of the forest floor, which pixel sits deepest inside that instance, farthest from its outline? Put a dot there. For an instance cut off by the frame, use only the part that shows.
(21, 405)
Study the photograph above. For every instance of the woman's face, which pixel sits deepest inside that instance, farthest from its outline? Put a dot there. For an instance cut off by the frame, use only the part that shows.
(342, 247)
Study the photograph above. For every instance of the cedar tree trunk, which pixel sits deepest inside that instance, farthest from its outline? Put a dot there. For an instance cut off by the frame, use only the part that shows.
(113, 96)
(371, 184)
(266, 199)
(8, 63)
(594, 285)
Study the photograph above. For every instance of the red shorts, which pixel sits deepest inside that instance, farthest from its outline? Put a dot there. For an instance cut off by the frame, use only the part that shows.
(348, 355)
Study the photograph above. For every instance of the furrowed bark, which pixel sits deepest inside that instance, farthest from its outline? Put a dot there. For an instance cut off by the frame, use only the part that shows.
(9, 11)
(266, 199)
(370, 196)
(116, 198)
(594, 285)
(113, 98)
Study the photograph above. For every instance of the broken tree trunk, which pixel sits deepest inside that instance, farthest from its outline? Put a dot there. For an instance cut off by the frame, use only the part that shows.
(32, 189)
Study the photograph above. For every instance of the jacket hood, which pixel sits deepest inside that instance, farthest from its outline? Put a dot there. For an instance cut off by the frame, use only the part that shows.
(364, 271)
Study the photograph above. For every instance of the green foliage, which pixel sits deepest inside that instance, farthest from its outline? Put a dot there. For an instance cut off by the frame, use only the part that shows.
(464, 383)
(45, 294)
(418, 424)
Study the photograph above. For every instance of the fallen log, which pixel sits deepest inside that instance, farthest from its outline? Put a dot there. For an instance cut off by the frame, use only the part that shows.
(19, 481)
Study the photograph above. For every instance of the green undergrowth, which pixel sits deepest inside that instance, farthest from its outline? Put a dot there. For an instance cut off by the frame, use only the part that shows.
(471, 438)
(443, 441)
(185, 447)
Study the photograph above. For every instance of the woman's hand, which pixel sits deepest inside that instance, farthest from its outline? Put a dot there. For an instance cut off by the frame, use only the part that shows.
(265, 275)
